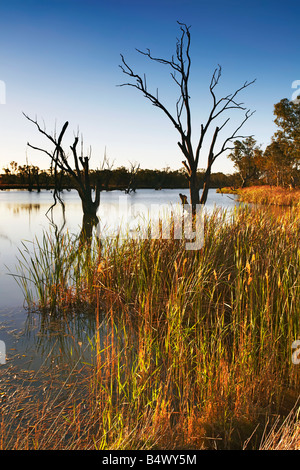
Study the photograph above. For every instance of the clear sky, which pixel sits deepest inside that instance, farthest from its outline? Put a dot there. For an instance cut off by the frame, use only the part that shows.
(59, 61)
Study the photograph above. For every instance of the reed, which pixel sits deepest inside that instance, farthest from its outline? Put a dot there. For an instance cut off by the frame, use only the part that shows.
(192, 349)
(268, 195)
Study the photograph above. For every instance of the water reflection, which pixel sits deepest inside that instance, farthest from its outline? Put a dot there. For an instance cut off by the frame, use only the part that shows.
(25, 216)
(55, 341)
(16, 209)
(5, 237)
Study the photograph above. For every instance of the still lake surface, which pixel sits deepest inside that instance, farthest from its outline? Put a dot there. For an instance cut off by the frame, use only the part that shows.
(22, 219)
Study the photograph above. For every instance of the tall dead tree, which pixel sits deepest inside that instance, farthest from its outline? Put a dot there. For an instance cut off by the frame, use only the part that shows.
(80, 174)
(106, 169)
(180, 73)
(133, 172)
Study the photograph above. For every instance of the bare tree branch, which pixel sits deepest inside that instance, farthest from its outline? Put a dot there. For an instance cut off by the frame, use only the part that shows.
(180, 65)
(234, 135)
(141, 86)
(59, 159)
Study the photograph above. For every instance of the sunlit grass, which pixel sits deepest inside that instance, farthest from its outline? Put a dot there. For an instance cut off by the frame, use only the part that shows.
(195, 346)
(269, 195)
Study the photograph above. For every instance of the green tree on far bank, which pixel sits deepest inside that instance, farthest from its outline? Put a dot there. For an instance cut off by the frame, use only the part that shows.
(246, 157)
(277, 165)
(288, 121)
(287, 139)
(281, 158)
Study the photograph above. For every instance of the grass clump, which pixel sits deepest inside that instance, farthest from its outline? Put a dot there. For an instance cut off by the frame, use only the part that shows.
(192, 348)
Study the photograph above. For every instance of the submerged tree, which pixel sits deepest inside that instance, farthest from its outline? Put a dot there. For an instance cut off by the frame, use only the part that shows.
(80, 175)
(106, 170)
(133, 172)
(180, 73)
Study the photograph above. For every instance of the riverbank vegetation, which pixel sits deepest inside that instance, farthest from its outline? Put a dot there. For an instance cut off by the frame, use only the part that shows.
(32, 178)
(278, 163)
(267, 195)
(192, 349)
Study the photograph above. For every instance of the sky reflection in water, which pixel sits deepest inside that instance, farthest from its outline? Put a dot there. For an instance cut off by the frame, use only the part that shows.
(23, 218)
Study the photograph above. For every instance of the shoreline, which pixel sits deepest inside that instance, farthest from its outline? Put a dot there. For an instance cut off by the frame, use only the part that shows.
(266, 195)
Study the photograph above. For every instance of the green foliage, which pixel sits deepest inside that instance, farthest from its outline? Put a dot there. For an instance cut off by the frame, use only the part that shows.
(282, 157)
(288, 121)
(278, 165)
(246, 157)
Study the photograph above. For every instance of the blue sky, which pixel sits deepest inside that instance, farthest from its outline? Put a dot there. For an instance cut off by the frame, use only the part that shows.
(59, 60)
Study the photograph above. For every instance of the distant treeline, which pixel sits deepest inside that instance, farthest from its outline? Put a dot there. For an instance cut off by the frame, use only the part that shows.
(32, 178)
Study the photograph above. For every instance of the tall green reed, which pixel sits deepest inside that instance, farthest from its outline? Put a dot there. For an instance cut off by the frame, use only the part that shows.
(197, 344)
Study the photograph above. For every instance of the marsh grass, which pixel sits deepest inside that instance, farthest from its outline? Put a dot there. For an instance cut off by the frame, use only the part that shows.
(268, 195)
(192, 349)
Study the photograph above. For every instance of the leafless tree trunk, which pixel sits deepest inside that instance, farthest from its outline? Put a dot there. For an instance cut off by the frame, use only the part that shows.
(80, 176)
(106, 169)
(36, 175)
(180, 73)
(134, 169)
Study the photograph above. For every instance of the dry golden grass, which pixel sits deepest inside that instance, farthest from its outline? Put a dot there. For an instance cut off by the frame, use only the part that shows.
(268, 195)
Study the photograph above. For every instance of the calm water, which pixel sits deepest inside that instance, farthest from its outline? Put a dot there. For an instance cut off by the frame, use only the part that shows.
(23, 217)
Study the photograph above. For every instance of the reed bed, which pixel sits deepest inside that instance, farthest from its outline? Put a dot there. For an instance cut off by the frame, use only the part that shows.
(269, 195)
(192, 349)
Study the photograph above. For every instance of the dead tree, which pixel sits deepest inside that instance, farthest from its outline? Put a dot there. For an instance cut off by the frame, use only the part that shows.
(106, 170)
(79, 175)
(180, 73)
(36, 175)
(134, 169)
